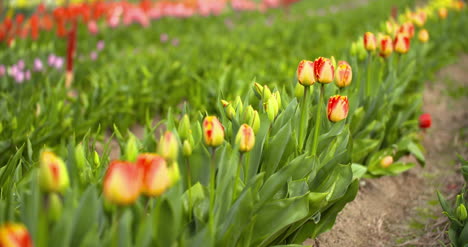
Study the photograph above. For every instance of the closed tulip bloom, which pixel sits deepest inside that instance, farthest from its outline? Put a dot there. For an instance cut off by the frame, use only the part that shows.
(338, 107)
(255, 123)
(168, 146)
(155, 174)
(385, 46)
(425, 121)
(401, 43)
(245, 138)
(386, 161)
(53, 174)
(423, 35)
(122, 183)
(14, 235)
(305, 73)
(323, 70)
(442, 12)
(213, 131)
(408, 29)
(344, 74)
(370, 43)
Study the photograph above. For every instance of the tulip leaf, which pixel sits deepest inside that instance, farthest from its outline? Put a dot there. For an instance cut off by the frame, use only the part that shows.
(275, 148)
(85, 215)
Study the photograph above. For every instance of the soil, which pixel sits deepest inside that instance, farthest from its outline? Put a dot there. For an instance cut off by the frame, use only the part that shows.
(404, 210)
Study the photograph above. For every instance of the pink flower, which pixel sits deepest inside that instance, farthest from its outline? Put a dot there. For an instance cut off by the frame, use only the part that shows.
(93, 55)
(27, 75)
(175, 42)
(100, 45)
(19, 77)
(58, 62)
(163, 37)
(38, 66)
(2, 70)
(21, 64)
(51, 59)
(93, 27)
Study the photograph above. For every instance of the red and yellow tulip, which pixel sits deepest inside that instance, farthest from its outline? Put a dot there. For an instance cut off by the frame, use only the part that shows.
(168, 146)
(401, 43)
(213, 131)
(443, 13)
(245, 138)
(14, 235)
(305, 73)
(122, 183)
(344, 74)
(324, 71)
(156, 178)
(338, 107)
(385, 46)
(370, 43)
(53, 174)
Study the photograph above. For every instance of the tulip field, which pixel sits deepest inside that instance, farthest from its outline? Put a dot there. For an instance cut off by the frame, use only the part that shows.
(218, 122)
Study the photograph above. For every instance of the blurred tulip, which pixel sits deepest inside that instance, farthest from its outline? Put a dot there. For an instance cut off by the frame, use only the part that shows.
(255, 123)
(163, 37)
(174, 173)
(344, 74)
(14, 235)
(184, 129)
(93, 56)
(122, 183)
(175, 42)
(370, 43)
(2, 70)
(168, 146)
(187, 148)
(21, 64)
(386, 161)
(51, 60)
(245, 138)
(385, 46)
(338, 107)
(423, 36)
(299, 91)
(461, 212)
(100, 45)
(93, 27)
(324, 71)
(53, 174)
(155, 174)
(408, 29)
(213, 131)
(38, 66)
(305, 73)
(401, 43)
(425, 121)
(442, 12)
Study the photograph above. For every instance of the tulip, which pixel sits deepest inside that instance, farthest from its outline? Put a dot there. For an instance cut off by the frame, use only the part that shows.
(213, 131)
(175, 42)
(187, 149)
(391, 27)
(255, 123)
(271, 108)
(93, 56)
(401, 43)
(425, 121)
(51, 59)
(385, 46)
(38, 66)
(93, 27)
(338, 107)
(324, 71)
(299, 91)
(174, 173)
(100, 45)
(184, 127)
(423, 35)
(2, 70)
(461, 212)
(248, 114)
(305, 73)
(163, 38)
(53, 174)
(155, 174)
(14, 235)
(344, 74)
(370, 43)
(122, 182)
(408, 29)
(442, 12)
(168, 146)
(386, 161)
(245, 138)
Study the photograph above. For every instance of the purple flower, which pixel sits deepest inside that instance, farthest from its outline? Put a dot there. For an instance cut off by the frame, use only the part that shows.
(51, 59)
(27, 75)
(100, 45)
(19, 77)
(21, 64)
(2, 70)
(58, 63)
(93, 55)
(163, 37)
(14, 70)
(38, 66)
(175, 42)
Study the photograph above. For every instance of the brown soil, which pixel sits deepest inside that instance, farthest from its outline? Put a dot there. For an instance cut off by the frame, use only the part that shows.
(403, 210)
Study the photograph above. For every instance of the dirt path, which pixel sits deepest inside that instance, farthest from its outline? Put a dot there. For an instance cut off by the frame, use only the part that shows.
(403, 210)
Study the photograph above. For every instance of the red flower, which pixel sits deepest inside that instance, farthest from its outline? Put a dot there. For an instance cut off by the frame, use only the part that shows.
(425, 121)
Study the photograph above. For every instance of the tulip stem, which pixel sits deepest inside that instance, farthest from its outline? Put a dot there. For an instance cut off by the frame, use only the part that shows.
(234, 193)
(189, 186)
(212, 188)
(368, 83)
(304, 118)
(318, 120)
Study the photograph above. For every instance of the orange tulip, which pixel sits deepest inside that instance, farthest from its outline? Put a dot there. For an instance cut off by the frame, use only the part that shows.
(155, 174)
(442, 12)
(423, 35)
(122, 183)
(53, 174)
(245, 138)
(305, 73)
(213, 131)
(338, 107)
(344, 74)
(401, 43)
(14, 235)
(324, 71)
(370, 41)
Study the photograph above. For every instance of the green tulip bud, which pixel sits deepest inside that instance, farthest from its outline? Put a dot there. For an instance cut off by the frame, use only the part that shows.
(255, 123)
(258, 89)
(131, 148)
(174, 173)
(238, 104)
(187, 148)
(271, 107)
(461, 212)
(266, 93)
(168, 146)
(55, 206)
(184, 127)
(230, 112)
(277, 96)
(248, 114)
(97, 160)
(333, 60)
(80, 158)
(299, 91)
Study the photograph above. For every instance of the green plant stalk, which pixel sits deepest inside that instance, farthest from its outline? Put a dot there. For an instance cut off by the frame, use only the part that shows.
(368, 64)
(318, 120)
(189, 186)
(247, 166)
(212, 189)
(234, 193)
(304, 114)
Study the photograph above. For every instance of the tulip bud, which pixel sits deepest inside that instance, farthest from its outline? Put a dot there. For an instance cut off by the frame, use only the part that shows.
(53, 174)
(425, 121)
(258, 89)
(386, 161)
(184, 127)
(461, 212)
(344, 74)
(213, 131)
(423, 36)
(97, 160)
(277, 96)
(390, 27)
(239, 105)
(442, 12)
(271, 108)
(324, 71)
(385, 46)
(245, 138)
(174, 173)
(266, 93)
(299, 91)
(337, 108)
(14, 235)
(333, 60)
(370, 41)
(80, 158)
(408, 29)
(353, 49)
(224, 103)
(305, 73)
(187, 149)
(401, 43)
(230, 112)
(255, 123)
(248, 114)
(122, 183)
(168, 146)
(131, 148)
(55, 206)
(459, 5)
(156, 177)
